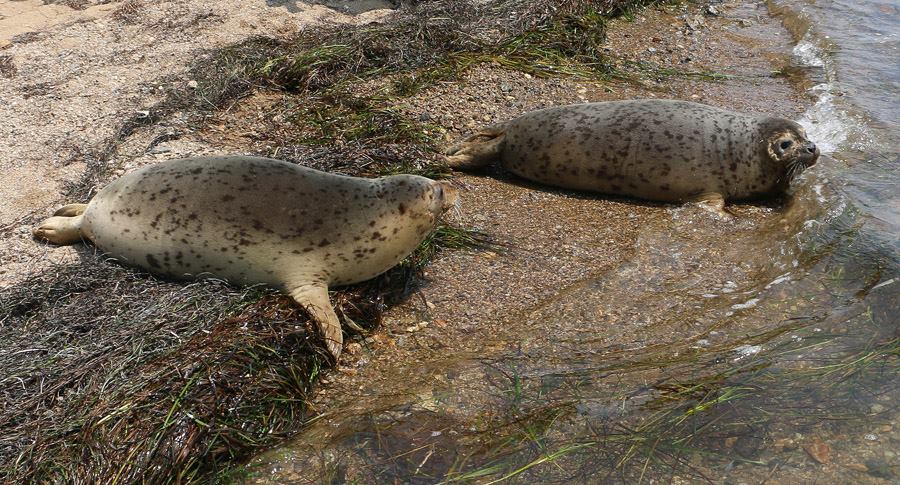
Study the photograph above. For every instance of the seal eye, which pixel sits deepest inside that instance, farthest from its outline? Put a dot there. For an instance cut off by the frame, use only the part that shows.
(786, 144)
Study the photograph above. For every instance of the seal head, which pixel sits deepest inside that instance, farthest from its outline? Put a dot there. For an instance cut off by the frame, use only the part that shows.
(787, 145)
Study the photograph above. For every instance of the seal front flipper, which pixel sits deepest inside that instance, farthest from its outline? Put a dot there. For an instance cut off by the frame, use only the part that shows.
(715, 203)
(478, 150)
(314, 299)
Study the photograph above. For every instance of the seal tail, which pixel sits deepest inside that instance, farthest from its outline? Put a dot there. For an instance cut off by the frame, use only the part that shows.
(478, 150)
(64, 227)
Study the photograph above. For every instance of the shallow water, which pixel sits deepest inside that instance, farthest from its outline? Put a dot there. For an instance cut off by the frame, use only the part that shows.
(765, 349)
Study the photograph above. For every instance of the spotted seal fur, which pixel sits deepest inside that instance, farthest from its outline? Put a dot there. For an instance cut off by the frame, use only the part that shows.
(661, 150)
(254, 220)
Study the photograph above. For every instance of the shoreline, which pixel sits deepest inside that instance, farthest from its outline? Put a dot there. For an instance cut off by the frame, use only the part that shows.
(480, 308)
(425, 380)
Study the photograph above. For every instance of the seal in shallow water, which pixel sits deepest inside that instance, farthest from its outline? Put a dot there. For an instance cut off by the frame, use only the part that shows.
(254, 220)
(661, 150)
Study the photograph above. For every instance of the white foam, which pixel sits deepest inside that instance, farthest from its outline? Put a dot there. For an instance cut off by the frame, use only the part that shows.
(824, 122)
(746, 351)
(779, 280)
(748, 304)
(809, 54)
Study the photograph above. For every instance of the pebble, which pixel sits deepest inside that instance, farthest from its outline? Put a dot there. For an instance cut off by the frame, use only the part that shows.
(192, 84)
(819, 451)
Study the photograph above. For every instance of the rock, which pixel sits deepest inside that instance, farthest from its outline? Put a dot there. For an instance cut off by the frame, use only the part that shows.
(784, 444)
(710, 10)
(425, 116)
(879, 468)
(160, 149)
(505, 87)
(819, 451)
(745, 22)
(877, 408)
(748, 446)
(695, 23)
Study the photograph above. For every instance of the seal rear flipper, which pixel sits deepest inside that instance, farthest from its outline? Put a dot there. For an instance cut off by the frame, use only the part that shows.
(314, 299)
(71, 210)
(478, 150)
(62, 230)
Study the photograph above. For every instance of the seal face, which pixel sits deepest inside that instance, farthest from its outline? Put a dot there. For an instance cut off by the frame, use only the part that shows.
(254, 220)
(663, 150)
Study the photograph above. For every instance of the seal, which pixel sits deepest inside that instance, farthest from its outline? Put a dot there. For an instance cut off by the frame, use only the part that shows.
(660, 150)
(251, 220)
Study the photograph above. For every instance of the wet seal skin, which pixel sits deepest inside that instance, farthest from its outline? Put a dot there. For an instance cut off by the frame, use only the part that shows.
(661, 150)
(251, 220)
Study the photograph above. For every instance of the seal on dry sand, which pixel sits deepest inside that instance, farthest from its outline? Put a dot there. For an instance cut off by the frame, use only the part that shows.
(254, 220)
(662, 150)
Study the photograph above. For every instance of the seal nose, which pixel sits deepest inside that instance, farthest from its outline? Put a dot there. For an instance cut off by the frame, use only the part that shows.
(813, 154)
(813, 151)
